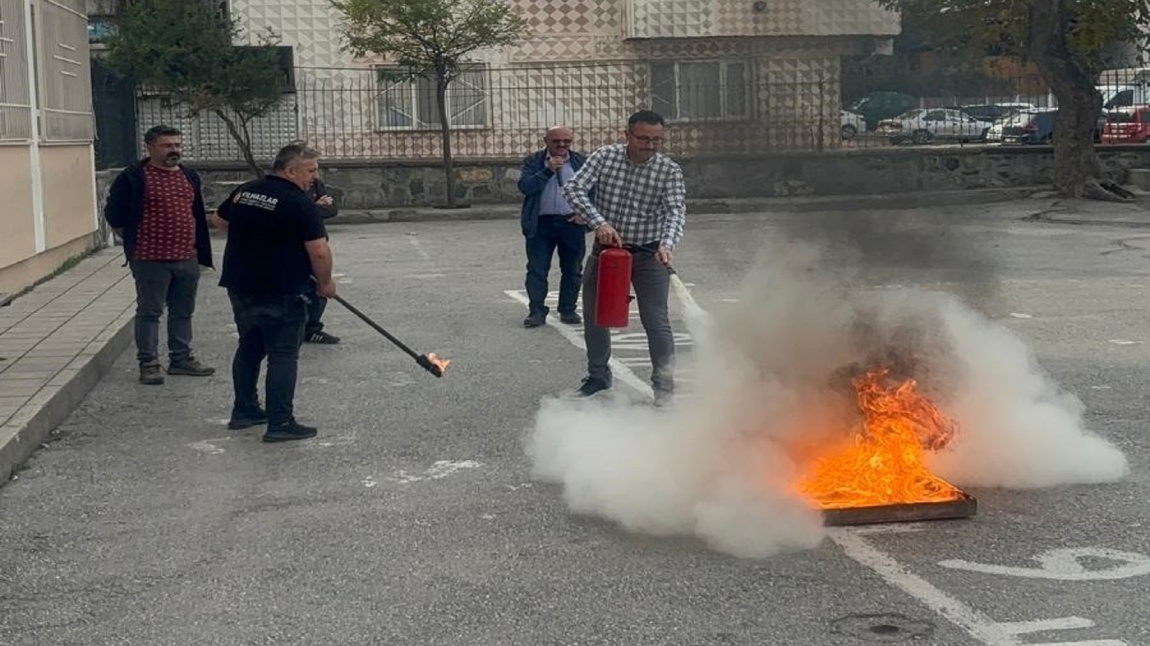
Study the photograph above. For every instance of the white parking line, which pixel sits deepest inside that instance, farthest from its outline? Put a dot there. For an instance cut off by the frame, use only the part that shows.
(978, 625)
(574, 336)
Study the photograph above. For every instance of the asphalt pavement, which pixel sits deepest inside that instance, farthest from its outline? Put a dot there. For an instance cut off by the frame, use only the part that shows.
(416, 516)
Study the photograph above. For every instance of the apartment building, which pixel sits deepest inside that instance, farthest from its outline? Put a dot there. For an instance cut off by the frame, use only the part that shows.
(731, 76)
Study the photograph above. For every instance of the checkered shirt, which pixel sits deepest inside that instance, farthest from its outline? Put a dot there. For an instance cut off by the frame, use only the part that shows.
(644, 202)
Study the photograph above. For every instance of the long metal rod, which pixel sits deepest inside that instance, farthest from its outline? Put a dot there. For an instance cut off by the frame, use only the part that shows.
(377, 327)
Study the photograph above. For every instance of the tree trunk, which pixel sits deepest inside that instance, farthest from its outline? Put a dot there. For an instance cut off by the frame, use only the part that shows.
(1077, 171)
(445, 129)
(243, 139)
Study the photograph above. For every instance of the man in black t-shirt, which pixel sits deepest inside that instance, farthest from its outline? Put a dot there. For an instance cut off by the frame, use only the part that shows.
(276, 246)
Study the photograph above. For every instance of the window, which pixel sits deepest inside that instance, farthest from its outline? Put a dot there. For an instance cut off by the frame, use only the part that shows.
(65, 85)
(701, 90)
(407, 103)
(15, 89)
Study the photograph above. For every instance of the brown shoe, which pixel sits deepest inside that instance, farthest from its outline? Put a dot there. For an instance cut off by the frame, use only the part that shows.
(150, 374)
(191, 367)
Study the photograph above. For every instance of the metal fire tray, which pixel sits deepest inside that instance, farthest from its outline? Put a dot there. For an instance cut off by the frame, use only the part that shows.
(963, 507)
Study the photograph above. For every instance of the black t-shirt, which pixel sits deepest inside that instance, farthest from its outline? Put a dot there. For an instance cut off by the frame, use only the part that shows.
(269, 221)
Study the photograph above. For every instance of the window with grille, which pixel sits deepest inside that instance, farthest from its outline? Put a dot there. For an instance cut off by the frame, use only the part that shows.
(407, 103)
(65, 87)
(709, 90)
(15, 88)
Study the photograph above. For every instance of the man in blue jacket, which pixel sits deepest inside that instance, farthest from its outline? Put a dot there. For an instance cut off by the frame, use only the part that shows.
(156, 206)
(549, 223)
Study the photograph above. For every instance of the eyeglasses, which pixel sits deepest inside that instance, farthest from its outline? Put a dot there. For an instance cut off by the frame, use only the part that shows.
(646, 140)
(561, 141)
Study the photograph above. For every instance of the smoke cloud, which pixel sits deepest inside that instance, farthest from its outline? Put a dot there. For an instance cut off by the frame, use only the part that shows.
(774, 369)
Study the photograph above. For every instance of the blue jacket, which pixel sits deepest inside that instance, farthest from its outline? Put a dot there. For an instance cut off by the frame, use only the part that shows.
(533, 179)
(125, 208)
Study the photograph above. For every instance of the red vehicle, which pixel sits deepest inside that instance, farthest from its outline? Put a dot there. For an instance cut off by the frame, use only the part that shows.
(1127, 126)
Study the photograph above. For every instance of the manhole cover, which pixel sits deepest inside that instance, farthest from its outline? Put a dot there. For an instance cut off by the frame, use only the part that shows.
(882, 628)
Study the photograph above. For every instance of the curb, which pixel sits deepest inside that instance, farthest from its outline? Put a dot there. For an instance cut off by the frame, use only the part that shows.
(705, 206)
(19, 442)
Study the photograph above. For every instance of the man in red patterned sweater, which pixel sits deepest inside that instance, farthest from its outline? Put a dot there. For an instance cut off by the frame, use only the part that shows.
(157, 208)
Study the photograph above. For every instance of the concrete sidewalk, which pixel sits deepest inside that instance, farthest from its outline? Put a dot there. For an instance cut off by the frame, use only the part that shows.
(56, 342)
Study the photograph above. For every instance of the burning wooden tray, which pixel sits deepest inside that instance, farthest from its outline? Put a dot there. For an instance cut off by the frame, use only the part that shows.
(963, 507)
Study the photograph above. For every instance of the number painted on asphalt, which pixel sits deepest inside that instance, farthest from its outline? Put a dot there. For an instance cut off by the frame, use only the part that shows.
(1066, 565)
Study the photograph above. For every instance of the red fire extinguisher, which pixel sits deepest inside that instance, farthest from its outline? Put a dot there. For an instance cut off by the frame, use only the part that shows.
(613, 288)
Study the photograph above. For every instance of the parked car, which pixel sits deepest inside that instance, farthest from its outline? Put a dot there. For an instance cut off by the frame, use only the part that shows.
(852, 124)
(1130, 126)
(994, 133)
(876, 106)
(926, 125)
(1038, 128)
(993, 112)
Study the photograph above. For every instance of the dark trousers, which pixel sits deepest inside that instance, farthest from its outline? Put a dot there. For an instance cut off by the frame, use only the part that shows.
(555, 232)
(652, 283)
(159, 284)
(272, 327)
(316, 305)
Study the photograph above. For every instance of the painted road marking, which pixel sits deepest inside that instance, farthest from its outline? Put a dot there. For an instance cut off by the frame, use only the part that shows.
(208, 446)
(418, 246)
(975, 623)
(574, 336)
(438, 470)
(1066, 565)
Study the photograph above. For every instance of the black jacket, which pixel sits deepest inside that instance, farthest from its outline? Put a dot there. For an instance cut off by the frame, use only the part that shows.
(125, 208)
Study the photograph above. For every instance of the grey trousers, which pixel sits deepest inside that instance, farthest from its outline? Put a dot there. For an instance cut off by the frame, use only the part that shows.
(652, 283)
(160, 283)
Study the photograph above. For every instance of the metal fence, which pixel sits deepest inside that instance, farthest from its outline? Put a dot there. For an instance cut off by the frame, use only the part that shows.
(728, 108)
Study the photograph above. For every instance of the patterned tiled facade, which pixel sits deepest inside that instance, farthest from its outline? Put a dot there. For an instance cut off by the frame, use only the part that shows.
(590, 63)
(715, 18)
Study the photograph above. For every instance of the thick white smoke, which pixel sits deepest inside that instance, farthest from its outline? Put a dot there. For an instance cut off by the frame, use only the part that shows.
(774, 369)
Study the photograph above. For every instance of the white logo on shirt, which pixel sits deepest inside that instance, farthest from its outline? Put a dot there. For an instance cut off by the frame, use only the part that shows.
(258, 200)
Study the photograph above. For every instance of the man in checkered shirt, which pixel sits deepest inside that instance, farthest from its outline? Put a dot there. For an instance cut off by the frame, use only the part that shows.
(640, 204)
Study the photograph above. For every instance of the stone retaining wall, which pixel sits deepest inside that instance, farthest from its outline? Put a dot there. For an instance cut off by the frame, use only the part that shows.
(363, 185)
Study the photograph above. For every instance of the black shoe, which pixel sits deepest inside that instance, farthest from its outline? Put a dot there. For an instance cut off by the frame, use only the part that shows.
(190, 367)
(322, 338)
(150, 374)
(257, 417)
(570, 318)
(592, 385)
(535, 320)
(289, 432)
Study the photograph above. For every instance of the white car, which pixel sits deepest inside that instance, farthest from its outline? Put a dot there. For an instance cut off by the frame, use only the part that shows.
(852, 124)
(1013, 119)
(931, 124)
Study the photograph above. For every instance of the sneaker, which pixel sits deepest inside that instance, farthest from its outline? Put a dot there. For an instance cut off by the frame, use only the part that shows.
(570, 318)
(257, 417)
(592, 385)
(322, 338)
(664, 399)
(190, 367)
(535, 320)
(288, 432)
(150, 374)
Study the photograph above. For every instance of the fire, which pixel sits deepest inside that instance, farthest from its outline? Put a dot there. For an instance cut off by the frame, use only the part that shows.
(883, 463)
(438, 362)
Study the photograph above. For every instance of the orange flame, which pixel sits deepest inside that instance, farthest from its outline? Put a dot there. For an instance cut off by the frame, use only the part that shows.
(884, 462)
(437, 362)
